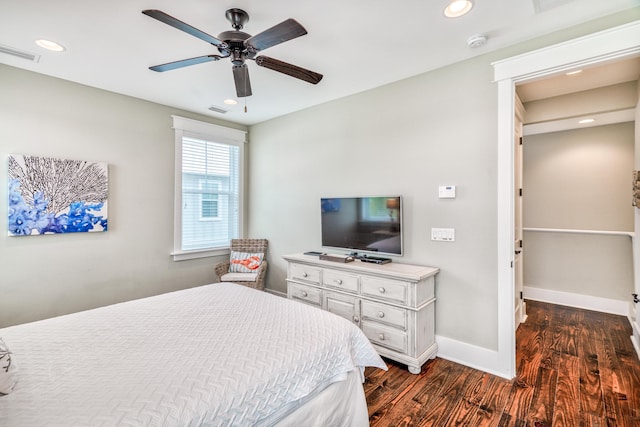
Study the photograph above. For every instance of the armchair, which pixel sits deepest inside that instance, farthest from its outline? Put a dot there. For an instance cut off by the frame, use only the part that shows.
(254, 279)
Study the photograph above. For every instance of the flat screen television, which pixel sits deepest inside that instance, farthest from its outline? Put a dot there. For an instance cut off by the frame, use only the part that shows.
(367, 224)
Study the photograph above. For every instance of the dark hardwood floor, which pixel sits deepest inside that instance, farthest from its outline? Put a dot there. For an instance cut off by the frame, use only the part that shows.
(574, 368)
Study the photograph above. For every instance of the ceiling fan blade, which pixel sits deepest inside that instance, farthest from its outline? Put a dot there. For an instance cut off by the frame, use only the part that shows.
(289, 69)
(241, 78)
(185, 63)
(182, 26)
(286, 30)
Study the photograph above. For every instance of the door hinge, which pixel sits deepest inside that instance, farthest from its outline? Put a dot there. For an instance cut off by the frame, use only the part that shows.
(520, 140)
(520, 242)
(520, 192)
(521, 295)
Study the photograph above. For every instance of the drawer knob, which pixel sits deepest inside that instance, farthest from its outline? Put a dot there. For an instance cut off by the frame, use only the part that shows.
(356, 319)
(338, 281)
(381, 337)
(381, 314)
(304, 274)
(305, 294)
(381, 290)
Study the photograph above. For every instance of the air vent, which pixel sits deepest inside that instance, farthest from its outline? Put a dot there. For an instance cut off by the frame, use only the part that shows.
(218, 110)
(544, 5)
(19, 53)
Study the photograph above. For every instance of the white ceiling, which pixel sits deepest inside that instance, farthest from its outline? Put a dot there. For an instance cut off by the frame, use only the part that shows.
(607, 74)
(357, 45)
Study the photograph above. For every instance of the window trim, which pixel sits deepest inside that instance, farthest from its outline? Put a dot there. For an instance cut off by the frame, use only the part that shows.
(210, 132)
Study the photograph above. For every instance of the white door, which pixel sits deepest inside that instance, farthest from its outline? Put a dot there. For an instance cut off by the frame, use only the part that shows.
(518, 270)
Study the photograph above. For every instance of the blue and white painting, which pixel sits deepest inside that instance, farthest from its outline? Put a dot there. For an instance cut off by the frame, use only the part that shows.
(52, 196)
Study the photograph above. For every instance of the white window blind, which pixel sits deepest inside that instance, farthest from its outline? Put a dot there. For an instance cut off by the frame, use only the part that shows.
(208, 188)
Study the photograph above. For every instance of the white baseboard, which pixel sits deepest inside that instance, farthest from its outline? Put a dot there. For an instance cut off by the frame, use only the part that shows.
(472, 356)
(587, 302)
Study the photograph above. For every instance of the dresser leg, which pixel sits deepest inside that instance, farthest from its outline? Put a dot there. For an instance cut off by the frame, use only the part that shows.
(414, 370)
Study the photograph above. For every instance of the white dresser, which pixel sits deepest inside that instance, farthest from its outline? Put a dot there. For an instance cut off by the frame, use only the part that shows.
(393, 304)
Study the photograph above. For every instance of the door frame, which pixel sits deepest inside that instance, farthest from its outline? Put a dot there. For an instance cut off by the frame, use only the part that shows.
(606, 46)
(520, 314)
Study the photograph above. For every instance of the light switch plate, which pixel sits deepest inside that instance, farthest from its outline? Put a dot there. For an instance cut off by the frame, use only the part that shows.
(443, 234)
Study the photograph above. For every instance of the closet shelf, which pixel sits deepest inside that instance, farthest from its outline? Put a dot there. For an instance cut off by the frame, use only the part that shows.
(573, 231)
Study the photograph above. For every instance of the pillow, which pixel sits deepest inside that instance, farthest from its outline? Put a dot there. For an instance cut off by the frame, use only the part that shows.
(243, 262)
(8, 376)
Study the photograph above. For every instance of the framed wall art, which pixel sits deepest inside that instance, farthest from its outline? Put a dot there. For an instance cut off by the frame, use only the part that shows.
(52, 196)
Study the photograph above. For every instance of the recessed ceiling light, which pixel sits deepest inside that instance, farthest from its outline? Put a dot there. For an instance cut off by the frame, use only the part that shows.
(571, 73)
(584, 121)
(458, 8)
(230, 101)
(50, 45)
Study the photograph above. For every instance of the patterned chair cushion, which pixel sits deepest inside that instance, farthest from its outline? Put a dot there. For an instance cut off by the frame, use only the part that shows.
(8, 371)
(239, 277)
(244, 262)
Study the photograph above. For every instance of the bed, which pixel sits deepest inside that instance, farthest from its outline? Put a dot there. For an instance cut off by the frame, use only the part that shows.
(215, 355)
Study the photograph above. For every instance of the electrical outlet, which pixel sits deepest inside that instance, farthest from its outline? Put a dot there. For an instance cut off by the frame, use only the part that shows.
(447, 192)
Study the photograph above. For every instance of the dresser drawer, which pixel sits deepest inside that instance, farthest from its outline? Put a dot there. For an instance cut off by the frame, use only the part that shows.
(305, 293)
(382, 313)
(346, 306)
(385, 336)
(340, 280)
(305, 273)
(390, 290)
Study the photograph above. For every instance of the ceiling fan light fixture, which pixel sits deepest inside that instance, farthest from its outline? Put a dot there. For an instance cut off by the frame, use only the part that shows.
(457, 8)
(50, 45)
(240, 47)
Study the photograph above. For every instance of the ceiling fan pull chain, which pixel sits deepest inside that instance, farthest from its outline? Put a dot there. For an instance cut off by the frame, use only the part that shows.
(245, 98)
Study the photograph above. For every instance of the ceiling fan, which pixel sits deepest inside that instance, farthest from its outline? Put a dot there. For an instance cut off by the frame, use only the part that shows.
(240, 46)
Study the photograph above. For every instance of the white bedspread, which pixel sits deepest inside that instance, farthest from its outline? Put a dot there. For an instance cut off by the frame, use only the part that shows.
(218, 355)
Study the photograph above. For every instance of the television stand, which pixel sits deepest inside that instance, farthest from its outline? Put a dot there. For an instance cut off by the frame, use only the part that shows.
(393, 304)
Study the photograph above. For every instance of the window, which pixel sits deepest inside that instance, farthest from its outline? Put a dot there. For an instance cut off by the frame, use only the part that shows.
(209, 199)
(208, 196)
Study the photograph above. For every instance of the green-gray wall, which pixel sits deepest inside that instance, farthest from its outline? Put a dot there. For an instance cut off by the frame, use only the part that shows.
(580, 180)
(405, 138)
(44, 276)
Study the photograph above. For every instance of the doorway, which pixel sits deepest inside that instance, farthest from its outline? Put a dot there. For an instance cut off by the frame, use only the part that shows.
(609, 45)
(578, 145)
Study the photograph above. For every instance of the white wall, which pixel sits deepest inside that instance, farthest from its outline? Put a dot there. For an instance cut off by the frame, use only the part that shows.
(43, 276)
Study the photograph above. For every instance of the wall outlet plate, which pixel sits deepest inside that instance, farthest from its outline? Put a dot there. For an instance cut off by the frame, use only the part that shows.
(447, 192)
